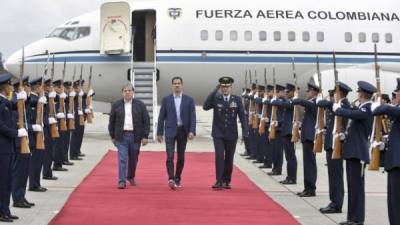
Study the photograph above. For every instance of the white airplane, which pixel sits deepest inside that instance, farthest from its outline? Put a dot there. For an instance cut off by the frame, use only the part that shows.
(203, 40)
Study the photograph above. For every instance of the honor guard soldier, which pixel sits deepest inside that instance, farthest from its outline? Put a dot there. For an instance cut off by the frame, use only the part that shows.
(8, 134)
(356, 150)
(261, 138)
(245, 98)
(288, 145)
(335, 166)
(61, 141)
(77, 134)
(35, 167)
(252, 136)
(227, 108)
(267, 150)
(392, 156)
(68, 87)
(307, 139)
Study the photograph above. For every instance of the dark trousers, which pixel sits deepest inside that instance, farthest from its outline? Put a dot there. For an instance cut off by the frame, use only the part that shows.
(246, 145)
(267, 151)
(59, 149)
(356, 190)
(66, 146)
(224, 153)
(253, 143)
(335, 179)
(394, 196)
(76, 141)
(6, 162)
(277, 153)
(35, 167)
(48, 153)
(20, 176)
(261, 145)
(309, 166)
(181, 141)
(290, 155)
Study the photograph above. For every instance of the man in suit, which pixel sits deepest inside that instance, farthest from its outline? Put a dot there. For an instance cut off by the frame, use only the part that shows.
(8, 134)
(178, 117)
(392, 156)
(355, 150)
(129, 127)
(227, 108)
(307, 139)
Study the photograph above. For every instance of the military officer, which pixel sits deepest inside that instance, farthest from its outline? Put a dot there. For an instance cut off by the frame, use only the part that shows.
(392, 156)
(355, 150)
(261, 138)
(245, 100)
(252, 138)
(267, 148)
(335, 166)
(61, 141)
(227, 108)
(8, 133)
(77, 134)
(307, 139)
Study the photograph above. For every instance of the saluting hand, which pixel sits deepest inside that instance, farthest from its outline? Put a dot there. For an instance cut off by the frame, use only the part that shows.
(190, 136)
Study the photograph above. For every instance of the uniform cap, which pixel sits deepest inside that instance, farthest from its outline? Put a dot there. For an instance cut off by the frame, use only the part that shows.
(312, 86)
(279, 87)
(226, 81)
(5, 77)
(366, 87)
(261, 87)
(344, 87)
(36, 81)
(290, 87)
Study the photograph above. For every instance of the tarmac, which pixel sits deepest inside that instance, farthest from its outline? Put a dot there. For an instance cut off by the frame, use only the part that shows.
(305, 210)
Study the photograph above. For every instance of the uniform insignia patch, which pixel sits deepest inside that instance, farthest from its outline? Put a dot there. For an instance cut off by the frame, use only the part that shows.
(233, 105)
(219, 105)
(363, 109)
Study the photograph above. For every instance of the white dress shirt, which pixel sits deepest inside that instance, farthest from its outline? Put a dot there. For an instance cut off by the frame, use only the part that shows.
(178, 100)
(128, 123)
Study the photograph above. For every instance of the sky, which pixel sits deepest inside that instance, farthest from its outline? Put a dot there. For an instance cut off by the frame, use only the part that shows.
(25, 21)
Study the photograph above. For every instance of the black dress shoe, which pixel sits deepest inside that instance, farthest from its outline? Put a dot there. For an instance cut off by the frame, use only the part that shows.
(60, 169)
(68, 163)
(5, 219)
(50, 178)
(329, 210)
(257, 161)
(351, 223)
(21, 205)
(81, 155)
(274, 173)
(13, 217)
(244, 154)
(29, 203)
(38, 189)
(287, 181)
(217, 186)
(306, 193)
(75, 158)
(265, 166)
(249, 158)
(226, 185)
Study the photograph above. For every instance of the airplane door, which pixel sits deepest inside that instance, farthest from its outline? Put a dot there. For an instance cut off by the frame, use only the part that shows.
(115, 31)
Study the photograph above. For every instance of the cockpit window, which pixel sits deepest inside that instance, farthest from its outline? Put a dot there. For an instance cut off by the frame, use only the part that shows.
(70, 33)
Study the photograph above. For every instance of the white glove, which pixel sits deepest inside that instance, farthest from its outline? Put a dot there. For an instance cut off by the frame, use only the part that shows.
(256, 95)
(264, 100)
(63, 95)
(243, 94)
(22, 132)
(72, 94)
(91, 92)
(251, 94)
(60, 116)
(87, 111)
(52, 94)
(295, 97)
(385, 138)
(273, 99)
(342, 136)
(70, 116)
(37, 128)
(43, 100)
(274, 123)
(52, 120)
(319, 98)
(91, 108)
(81, 93)
(80, 112)
(335, 106)
(380, 145)
(375, 105)
(22, 95)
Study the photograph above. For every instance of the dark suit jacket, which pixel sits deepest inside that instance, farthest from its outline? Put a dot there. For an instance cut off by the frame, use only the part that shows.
(140, 118)
(167, 118)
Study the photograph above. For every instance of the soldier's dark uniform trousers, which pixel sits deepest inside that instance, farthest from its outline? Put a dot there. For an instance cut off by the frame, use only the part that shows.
(8, 133)
(392, 159)
(245, 97)
(224, 131)
(355, 152)
(307, 139)
(252, 138)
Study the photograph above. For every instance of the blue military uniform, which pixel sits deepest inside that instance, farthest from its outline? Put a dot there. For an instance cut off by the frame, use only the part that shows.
(307, 139)
(245, 98)
(252, 138)
(77, 134)
(67, 139)
(224, 131)
(356, 154)
(392, 159)
(61, 142)
(8, 133)
(267, 145)
(261, 138)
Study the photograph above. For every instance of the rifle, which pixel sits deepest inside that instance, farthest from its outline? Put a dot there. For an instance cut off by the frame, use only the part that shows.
(61, 103)
(272, 127)
(338, 128)
(251, 103)
(21, 108)
(256, 108)
(81, 118)
(71, 121)
(244, 90)
(296, 111)
(320, 124)
(378, 120)
(52, 109)
(89, 116)
(264, 110)
(39, 108)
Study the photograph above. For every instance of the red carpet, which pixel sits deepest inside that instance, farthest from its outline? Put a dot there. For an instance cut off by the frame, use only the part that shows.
(98, 201)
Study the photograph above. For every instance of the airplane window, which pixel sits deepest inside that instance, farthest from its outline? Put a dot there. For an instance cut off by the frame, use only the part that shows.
(348, 37)
(362, 37)
(306, 36)
(56, 32)
(82, 32)
(248, 36)
(320, 36)
(233, 35)
(277, 36)
(292, 36)
(388, 38)
(375, 37)
(70, 33)
(204, 35)
(263, 36)
(219, 35)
